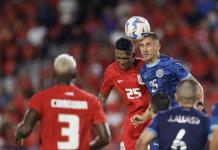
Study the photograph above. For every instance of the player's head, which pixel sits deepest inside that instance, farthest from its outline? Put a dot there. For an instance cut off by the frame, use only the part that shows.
(64, 68)
(149, 47)
(159, 102)
(124, 53)
(186, 92)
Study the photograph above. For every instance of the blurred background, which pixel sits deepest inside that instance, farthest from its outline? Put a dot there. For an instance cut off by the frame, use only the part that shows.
(33, 32)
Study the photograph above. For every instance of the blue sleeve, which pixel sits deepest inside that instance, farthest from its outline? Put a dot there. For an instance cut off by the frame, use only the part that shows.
(214, 117)
(179, 69)
(214, 110)
(153, 127)
(142, 73)
(214, 122)
(209, 130)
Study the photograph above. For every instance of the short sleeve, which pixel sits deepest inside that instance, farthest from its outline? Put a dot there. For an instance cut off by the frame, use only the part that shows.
(209, 130)
(180, 70)
(107, 83)
(142, 73)
(98, 113)
(153, 127)
(36, 103)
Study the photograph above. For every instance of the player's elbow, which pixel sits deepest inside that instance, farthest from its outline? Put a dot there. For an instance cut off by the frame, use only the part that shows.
(102, 97)
(23, 131)
(106, 138)
(141, 144)
(105, 141)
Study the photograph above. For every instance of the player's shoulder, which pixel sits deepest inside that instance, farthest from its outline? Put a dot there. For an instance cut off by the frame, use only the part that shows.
(45, 92)
(92, 99)
(88, 97)
(139, 62)
(112, 68)
(171, 111)
(83, 93)
(201, 114)
(167, 112)
(167, 59)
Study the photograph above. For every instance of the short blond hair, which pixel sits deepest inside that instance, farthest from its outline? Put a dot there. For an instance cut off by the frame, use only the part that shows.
(64, 64)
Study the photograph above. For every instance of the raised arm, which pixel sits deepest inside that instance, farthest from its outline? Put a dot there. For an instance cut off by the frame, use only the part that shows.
(26, 126)
(200, 95)
(103, 137)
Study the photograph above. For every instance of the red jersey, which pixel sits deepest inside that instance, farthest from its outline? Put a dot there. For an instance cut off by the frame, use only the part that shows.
(66, 116)
(134, 93)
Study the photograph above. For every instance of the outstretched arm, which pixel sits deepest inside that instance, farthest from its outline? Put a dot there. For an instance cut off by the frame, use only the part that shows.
(103, 137)
(26, 126)
(144, 140)
(200, 95)
(137, 119)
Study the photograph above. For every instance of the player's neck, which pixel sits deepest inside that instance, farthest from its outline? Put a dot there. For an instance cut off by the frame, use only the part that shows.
(186, 105)
(154, 60)
(63, 82)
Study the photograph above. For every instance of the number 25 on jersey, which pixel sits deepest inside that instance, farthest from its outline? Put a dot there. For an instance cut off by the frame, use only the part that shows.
(133, 93)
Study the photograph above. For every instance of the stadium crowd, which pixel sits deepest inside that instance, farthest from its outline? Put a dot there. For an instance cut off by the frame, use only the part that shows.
(34, 32)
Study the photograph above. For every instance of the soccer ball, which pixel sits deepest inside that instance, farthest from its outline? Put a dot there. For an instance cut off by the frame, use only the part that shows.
(135, 26)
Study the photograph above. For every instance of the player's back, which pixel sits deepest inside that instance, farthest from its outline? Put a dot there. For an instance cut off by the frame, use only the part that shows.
(67, 114)
(183, 128)
(163, 76)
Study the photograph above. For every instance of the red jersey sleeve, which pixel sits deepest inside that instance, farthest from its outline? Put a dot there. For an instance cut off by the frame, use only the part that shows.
(98, 113)
(107, 83)
(36, 102)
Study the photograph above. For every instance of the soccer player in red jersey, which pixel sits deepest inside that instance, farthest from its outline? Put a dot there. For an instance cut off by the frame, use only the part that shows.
(123, 75)
(66, 113)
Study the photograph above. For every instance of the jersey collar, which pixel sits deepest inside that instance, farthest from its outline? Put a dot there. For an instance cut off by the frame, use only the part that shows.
(153, 64)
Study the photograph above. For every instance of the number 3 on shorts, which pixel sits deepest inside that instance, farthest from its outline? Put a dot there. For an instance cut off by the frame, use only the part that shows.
(72, 132)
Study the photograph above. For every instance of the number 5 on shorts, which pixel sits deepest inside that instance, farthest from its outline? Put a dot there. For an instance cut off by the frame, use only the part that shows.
(72, 131)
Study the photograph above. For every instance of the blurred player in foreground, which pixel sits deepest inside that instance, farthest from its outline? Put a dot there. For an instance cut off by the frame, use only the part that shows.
(181, 127)
(214, 128)
(159, 102)
(123, 75)
(66, 113)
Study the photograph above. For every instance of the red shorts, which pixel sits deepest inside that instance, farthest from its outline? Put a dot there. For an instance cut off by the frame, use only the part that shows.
(131, 133)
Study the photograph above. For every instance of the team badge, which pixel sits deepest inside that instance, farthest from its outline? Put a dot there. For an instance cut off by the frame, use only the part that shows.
(159, 73)
(140, 80)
